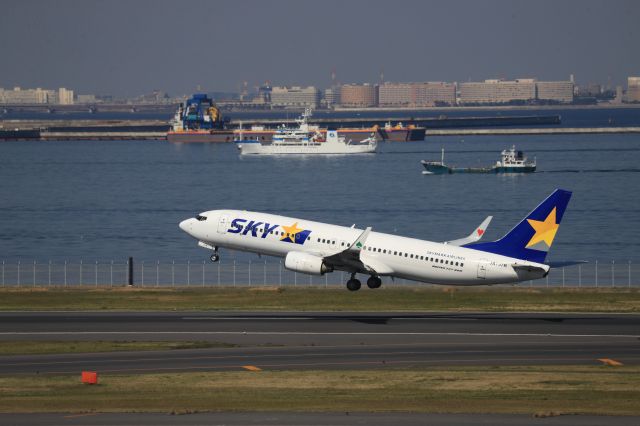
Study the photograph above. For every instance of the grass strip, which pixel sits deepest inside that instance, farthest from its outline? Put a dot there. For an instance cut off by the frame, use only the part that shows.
(404, 298)
(31, 347)
(596, 390)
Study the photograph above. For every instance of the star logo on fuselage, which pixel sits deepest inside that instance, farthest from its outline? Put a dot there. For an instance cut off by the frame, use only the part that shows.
(545, 232)
(290, 233)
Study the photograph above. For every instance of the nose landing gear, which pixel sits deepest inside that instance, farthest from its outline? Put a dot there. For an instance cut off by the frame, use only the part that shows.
(215, 256)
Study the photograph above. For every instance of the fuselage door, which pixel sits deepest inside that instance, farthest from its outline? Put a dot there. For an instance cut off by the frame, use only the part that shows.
(482, 268)
(223, 224)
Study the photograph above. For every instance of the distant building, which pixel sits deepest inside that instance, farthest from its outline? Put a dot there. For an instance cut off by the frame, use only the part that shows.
(519, 90)
(633, 89)
(498, 91)
(295, 96)
(359, 95)
(36, 96)
(65, 96)
(416, 94)
(557, 91)
(86, 99)
(332, 96)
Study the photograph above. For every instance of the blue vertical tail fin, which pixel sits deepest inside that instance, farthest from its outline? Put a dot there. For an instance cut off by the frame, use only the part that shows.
(531, 239)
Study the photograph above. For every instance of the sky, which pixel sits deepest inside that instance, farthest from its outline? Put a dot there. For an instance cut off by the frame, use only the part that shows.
(127, 48)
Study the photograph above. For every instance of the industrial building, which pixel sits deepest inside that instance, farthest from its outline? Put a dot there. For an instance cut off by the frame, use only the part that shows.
(359, 95)
(633, 89)
(416, 94)
(295, 96)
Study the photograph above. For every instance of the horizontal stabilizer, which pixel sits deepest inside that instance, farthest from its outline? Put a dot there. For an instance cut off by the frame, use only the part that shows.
(474, 236)
(562, 264)
(529, 268)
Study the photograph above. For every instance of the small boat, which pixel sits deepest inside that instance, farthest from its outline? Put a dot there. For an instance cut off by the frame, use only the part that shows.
(511, 161)
(303, 140)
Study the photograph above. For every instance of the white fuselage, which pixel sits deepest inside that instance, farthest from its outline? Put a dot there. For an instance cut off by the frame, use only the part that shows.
(388, 255)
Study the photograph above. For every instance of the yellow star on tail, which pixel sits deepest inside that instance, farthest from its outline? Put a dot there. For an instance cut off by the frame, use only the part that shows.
(545, 230)
(290, 232)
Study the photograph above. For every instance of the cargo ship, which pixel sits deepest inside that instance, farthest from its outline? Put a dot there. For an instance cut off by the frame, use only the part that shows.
(511, 161)
(200, 120)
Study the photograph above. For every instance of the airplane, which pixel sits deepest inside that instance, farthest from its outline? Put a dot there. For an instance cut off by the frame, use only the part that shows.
(318, 248)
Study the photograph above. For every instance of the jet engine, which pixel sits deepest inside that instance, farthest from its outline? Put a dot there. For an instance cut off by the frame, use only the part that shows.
(305, 263)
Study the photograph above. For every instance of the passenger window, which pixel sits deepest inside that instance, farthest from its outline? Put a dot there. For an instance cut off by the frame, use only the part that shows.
(406, 254)
(462, 264)
(395, 253)
(384, 251)
(333, 242)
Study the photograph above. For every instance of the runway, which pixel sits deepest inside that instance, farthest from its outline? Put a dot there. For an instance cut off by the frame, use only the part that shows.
(293, 340)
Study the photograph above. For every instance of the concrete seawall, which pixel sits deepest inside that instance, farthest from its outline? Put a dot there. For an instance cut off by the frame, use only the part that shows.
(530, 131)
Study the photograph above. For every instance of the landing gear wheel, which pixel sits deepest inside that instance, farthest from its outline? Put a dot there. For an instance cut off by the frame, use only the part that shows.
(374, 282)
(215, 257)
(354, 284)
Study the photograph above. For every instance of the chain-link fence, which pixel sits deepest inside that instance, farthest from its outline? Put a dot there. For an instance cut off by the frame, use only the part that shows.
(263, 272)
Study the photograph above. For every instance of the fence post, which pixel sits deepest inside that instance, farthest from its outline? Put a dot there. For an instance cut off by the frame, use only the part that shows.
(65, 273)
(579, 275)
(80, 271)
(596, 274)
(280, 274)
(96, 273)
(111, 273)
(234, 272)
(142, 273)
(548, 279)
(326, 282)
(34, 273)
(249, 273)
(49, 273)
(265, 274)
(629, 274)
(173, 273)
(295, 278)
(157, 273)
(219, 264)
(188, 272)
(3, 273)
(613, 273)
(18, 273)
(310, 280)
(563, 277)
(203, 273)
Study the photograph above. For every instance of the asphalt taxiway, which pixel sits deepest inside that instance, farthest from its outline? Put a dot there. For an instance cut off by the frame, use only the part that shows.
(294, 340)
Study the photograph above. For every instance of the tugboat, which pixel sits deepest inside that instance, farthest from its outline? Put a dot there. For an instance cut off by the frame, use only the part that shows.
(511, 161)
(303, 140)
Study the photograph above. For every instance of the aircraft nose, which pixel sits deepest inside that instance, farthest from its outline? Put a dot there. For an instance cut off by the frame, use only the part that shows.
(185, 225)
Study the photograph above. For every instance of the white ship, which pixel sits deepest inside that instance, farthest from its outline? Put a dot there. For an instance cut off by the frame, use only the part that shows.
(306, 140)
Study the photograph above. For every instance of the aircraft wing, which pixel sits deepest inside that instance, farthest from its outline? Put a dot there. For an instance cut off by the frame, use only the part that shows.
(352, 259)
(474, 236)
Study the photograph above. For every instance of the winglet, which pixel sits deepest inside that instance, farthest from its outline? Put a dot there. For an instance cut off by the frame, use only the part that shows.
(359, 242)
(474, 236)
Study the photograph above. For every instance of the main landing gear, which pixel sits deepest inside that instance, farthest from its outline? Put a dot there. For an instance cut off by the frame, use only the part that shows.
(354, 284)
(215, 256)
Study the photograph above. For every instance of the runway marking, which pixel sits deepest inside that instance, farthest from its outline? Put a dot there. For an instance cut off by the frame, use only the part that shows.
(308, 333)
(611, 362)
(73, 416)
(251, 368)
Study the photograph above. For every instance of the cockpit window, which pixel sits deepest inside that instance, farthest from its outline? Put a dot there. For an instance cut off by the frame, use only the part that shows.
(201, 218)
